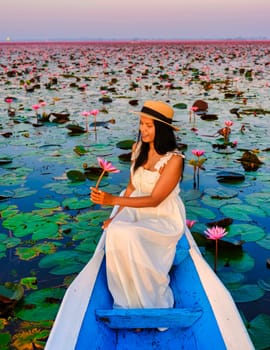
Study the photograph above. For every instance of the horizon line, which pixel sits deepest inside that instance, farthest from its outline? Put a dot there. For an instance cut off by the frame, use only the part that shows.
(57, 40)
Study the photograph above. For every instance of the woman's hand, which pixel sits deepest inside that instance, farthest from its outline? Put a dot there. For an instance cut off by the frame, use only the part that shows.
(100, 197)
(106, 223)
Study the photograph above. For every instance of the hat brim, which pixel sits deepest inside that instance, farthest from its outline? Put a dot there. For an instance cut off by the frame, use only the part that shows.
(152, 117)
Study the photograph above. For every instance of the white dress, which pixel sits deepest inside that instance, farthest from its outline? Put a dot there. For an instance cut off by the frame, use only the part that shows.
(140, 245)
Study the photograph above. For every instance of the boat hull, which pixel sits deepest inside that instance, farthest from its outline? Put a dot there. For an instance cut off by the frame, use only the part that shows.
(195, 286)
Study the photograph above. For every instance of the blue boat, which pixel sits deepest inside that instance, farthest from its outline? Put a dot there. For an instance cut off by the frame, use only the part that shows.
(204, 316)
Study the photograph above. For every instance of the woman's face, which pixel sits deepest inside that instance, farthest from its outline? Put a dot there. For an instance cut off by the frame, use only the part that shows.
(147, 129)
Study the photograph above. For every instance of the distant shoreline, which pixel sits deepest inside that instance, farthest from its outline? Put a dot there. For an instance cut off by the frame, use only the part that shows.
(135, 42)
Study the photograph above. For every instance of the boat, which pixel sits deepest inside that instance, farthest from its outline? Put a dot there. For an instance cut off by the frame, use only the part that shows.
(204, 315)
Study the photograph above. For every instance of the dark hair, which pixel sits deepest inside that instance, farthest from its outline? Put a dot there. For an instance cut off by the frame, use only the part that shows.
(164, 142)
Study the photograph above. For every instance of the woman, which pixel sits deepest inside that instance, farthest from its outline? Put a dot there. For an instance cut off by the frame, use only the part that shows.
(141, 238)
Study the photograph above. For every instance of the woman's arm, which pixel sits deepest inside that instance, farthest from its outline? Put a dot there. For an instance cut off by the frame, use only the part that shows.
(169, 178)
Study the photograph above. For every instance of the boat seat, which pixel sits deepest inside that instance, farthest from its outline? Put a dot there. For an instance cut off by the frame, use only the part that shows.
(149, 318)
(180, 255)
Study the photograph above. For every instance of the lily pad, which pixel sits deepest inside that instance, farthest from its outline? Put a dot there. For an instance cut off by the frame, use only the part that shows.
(230, 177)
(34, 336)
(11, 291)
(247, 293)
(264, 284)
(80, 150)
(209, 117)
(194, 212)
(246, 263)
(242, 211)
(126, 144)
(258, 329)
(76, 129)
(41, 305)
(76, 176)
(265, 242)
(75, 203)
(180, 105)
(48, 203)
(231, 278)
(5, 160)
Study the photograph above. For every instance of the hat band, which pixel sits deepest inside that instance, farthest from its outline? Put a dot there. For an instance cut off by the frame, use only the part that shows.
(156, 114)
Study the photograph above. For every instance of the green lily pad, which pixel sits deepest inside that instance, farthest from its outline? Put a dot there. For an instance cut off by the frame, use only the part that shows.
(87, 246)
(80, 150)
(258, 330)
(221, 193)
(5, 339)
(9, 211)
(63, 262)
(96, 216)
(11, 242)
(218, 202)
(231, 278)
(27, 253)
(180, 105)
(265, 242)
(248, 232)
(125, 144)
(67, 268)
(247, 293)
(34, 336)
(75, 203)
(23, 192)
(12, 291)
(246, 263)
(41, 305)
(264, 284)
(242, 211)
(258, 198)
(193, 212)
(5, 160)
(48, 203)
(29, 282)
(50, 230)
(76, 176)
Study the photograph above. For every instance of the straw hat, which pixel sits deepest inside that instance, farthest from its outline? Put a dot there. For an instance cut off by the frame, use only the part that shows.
(159, 111)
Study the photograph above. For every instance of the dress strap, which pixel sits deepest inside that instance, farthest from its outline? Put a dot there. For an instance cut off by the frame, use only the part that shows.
(164, 160)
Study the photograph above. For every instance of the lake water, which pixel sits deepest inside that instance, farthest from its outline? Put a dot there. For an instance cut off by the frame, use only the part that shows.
(49, 228)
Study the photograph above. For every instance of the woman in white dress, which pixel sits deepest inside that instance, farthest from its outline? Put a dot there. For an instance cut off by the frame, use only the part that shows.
(141, 238)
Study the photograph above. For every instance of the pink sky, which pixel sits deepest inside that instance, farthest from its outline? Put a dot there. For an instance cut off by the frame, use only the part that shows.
(140, 19)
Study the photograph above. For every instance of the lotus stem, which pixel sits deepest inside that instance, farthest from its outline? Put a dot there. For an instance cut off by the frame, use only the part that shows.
(216, 256)
(100, 177)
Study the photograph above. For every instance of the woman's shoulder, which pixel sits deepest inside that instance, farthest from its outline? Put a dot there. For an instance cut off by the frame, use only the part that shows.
(175, 152)
(169, 155)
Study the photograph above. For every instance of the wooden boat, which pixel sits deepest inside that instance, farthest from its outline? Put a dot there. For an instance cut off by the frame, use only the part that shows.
(204, 316)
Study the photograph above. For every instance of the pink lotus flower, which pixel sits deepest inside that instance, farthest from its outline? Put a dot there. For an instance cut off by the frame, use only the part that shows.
(36, 107)
(106, 167)
(198, 152)
(228, 123)
(86, 115)
(94, 112)
(197, 165)
(215, 233)
(42, 103)
(190, 223)
(8, 100)
(192, 111)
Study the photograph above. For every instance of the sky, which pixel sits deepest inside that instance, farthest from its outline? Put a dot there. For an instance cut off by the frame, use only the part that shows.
(45, 20)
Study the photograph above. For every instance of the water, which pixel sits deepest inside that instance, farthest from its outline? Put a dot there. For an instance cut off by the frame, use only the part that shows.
(42, 156)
